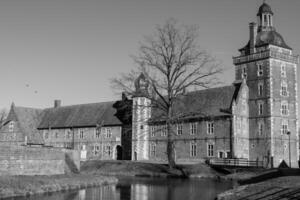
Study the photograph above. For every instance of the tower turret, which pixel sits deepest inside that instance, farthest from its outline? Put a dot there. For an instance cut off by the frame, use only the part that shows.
(141, 113)
(265, 17)
(270, 69)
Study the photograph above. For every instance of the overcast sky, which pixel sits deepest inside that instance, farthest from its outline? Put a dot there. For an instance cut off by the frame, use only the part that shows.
(69, 49)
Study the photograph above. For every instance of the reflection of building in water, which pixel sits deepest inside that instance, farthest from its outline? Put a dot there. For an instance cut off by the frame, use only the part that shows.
(139, 192)
(103, 192)
(82, 194)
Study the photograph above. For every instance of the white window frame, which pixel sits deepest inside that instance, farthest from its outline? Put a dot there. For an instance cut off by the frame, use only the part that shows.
(96, 149)
(260, 89)
(284, 89)
(260, 70)
(193, 128)
(46, 134)
(193, 149)
(11, 126)
(260, 108)
(97, 133)
(210, 128)
(283, 70)
(152, 131)
(179, 129)
(108, 132)
(244, 72)
(153, 149)
(108, 150)
(284, 127)
(260, 128)
(164, 131)
(210, 149)
(81, 133)
(284, 109)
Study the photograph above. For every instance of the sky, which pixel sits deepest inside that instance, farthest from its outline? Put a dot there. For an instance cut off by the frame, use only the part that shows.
(70, 49)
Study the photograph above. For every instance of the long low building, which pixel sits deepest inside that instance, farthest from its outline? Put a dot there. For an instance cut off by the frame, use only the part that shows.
(253, 119)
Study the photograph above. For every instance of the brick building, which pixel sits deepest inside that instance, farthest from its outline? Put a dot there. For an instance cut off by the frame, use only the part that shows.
(256, 118)
(249, 119)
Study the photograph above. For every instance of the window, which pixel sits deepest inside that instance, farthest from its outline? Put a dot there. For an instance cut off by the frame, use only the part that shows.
(108, 132)
(141, 127)
(179, 129)
(193, 149)
(260, 89)
(284, 108)
(56, 135)
(153, 150)
(210, 127)
(260, 129)
(164, 131)
(97, 133)
(283, 70)
(259, 69)
(284, 127)
(260, 108)
(81, 133)
(284, 90)
(193, 128)
(221, 154)
(11, 126)
(244, 72)
(108, 150)
(96, 150)
(68, 133)
(210, 150)
(152, 131)
(46, 134)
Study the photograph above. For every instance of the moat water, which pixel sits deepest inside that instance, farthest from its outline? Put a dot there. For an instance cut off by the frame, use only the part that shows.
(145, 189)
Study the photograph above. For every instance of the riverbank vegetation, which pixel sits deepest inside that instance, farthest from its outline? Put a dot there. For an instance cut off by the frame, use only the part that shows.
(130, 168)
(13, 186)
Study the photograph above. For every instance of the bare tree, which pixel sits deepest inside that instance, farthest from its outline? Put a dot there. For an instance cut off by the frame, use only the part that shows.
(173, 63)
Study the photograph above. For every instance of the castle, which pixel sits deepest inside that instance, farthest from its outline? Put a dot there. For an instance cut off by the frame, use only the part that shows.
(255, 118)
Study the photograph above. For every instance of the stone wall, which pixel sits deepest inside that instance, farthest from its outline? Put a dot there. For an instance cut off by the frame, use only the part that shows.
(25, 160)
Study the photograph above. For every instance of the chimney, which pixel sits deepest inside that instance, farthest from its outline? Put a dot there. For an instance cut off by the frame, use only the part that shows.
(57, 103)
(253, 34)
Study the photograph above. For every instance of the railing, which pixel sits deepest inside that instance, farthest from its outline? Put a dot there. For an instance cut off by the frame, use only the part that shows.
(266, 54)
(236, 163)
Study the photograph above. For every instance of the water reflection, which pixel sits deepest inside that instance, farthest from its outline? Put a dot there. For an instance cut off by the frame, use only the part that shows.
(145, 189)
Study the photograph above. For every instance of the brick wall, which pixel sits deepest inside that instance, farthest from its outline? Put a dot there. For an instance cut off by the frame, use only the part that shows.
(24, 160)
(95, 144)
(220, 140)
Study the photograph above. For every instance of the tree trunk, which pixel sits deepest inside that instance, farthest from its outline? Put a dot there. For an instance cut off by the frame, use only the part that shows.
(170, 142)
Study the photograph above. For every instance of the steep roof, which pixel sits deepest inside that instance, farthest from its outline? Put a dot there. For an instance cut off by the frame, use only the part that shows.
(83, 115)
(202, 103)
(267, 37)
(264, 8)
(28, 119)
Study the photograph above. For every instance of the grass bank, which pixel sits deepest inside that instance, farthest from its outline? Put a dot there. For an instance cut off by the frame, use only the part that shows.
(13, 186)
(145, 169)
(284, 184)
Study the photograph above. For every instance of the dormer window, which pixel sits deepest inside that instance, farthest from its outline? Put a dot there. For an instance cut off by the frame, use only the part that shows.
(11, 126)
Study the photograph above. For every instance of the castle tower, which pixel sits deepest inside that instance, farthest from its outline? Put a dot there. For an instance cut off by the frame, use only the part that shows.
(141, 112)
(270, 68)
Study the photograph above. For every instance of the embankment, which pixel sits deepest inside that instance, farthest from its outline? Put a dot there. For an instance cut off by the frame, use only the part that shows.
(13, 186)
